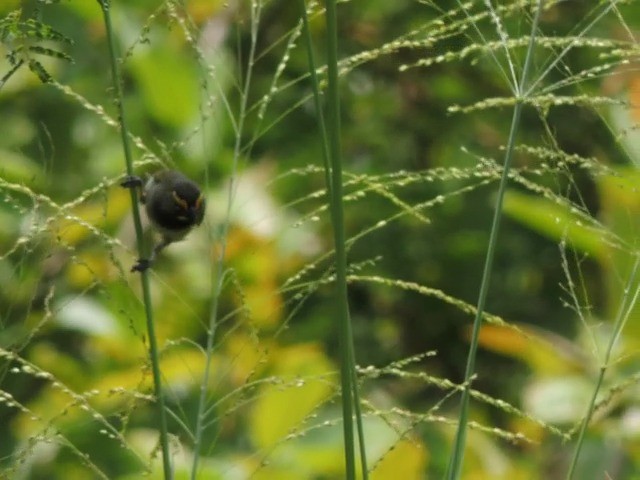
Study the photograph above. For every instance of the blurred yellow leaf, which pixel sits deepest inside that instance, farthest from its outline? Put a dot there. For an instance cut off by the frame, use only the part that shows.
(258, 266)
(302, 386)
(7, 5)
(87, 268)
(247, 356)
(95, 215)
(548, 354)
(182, 369)
(265, 304)
(407, 461)
(201, 11)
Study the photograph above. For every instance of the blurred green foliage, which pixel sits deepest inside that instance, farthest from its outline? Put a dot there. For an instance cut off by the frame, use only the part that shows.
(75, 385)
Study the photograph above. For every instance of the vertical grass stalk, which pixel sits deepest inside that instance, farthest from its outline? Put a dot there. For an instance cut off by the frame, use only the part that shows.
(347, 364)
(347, 361)
(219, 271)
(457, 455)
(621, 319)
(144, 278)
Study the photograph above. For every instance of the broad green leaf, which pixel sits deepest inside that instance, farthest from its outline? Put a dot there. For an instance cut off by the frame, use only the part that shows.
(557, 222)
(620, 209)
(168, 83)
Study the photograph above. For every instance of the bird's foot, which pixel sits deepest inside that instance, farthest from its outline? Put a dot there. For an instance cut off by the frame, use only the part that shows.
(131, 181)
(141, 265)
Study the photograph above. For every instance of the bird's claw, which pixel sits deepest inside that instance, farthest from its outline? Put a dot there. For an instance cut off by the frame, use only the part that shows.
(141, 265)
(131, 181)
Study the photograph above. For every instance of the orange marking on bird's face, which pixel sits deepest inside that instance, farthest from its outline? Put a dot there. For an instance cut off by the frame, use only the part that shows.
(179, 201)
(199, 202)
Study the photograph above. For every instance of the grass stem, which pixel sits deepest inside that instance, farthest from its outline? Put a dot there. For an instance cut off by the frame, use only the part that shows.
(219, 267)
(457, 455)
(337, 219)
(144, 277)
(622, 316)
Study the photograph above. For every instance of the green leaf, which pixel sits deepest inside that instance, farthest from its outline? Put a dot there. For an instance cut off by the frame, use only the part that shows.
(169, 86)
(557, 221)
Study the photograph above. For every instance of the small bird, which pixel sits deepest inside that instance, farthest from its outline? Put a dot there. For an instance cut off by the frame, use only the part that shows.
(174, 205)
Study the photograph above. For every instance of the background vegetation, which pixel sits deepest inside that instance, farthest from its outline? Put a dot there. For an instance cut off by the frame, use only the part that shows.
(221, 91)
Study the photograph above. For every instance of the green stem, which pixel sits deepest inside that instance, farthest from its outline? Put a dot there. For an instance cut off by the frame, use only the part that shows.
(457, 456)
(355, 397)
(337, 217)
(621, 319)
(316, 100)
(358, 410)
(202, 414)
(144, 279)
(8, 75)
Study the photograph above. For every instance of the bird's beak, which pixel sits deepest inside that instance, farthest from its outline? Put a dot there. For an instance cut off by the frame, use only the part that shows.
(191, 214)
(196, 210)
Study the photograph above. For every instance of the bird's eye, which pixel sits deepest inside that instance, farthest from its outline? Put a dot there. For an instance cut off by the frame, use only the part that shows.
(180, 201)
